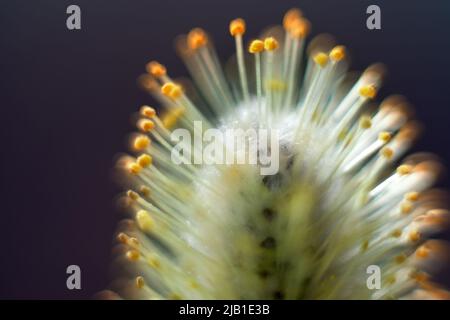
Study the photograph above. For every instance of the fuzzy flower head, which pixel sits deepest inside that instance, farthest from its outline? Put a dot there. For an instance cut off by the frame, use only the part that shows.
(343, 201)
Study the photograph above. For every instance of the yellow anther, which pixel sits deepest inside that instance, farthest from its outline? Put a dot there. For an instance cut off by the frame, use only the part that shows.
(291, 17)
(146, 125)
(387, 152)
(385, 136)
(365, 245)
(122, 237)
(397, 233)
(412, 196)
(171, 90)
(145, 191)
(276, 85)
(156, 69)
(144, 160)
(368, 91)
(422, 252)
(132, 195)
(365, 122)
(406, 207)
(237, 27)
(175, 296)
(169, 121)
(145, 222)
(133, 242)
(197, 38)
(178, 111)
(140, 283)
(256, 46)
(133, 255)
(147, 111)
(300, 28)
(414, 236)
(154, 263)
(404, 169)
(134, 168)
(270, 44)
(321, 59)
(141, 142)
(337, 53)
(400, 259)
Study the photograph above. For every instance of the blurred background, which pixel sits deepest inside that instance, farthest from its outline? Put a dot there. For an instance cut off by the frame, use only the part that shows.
(66, 98)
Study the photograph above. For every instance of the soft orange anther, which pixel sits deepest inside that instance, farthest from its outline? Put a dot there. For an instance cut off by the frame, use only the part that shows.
(132, 195)
(291, 17)
(156, 69)
(414, 236)
(133, 255)
(146, 125)
(369, 91)
(122, 237)
(337, 53)
(404, 169)
(270, 43)
(256, 46)
(197, 38)
(141, 142)
(412, 196)
(321, 59)
(140, 283)
(147, 111)
(134, 168)
(144, 160)
(300, 28)
(387, 152)
(237, 27)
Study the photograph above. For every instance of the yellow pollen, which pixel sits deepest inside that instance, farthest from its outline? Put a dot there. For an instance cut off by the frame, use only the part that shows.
(404, 169)
(145, 191)
(397, 233)
(147, 111)
(387, 152)
(368, 91)
(270, 44)
(299, 28)
(141, 142)
(414, 236)
(171, 90)
(156, 69)
(122, 237)
(145, 222)
(134, 168)
(365, 122)
(337, 53)
(154, 263)
(385, 136)
(400, 259)
(133, 255)
(406, 207)
(321, 59)
(144, 160)
(412, 196)
(132, 195)
(133, 242)
(140, 283)
(291, 17)
(197, 38)
(237, 27)
(422, 252)
(146, 125)
(256, 46)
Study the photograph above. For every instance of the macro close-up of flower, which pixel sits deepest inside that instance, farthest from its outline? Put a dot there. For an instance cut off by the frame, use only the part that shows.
(225, 155)
(345, 197)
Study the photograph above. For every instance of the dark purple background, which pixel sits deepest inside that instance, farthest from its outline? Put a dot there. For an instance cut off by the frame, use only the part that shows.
(66, 97)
